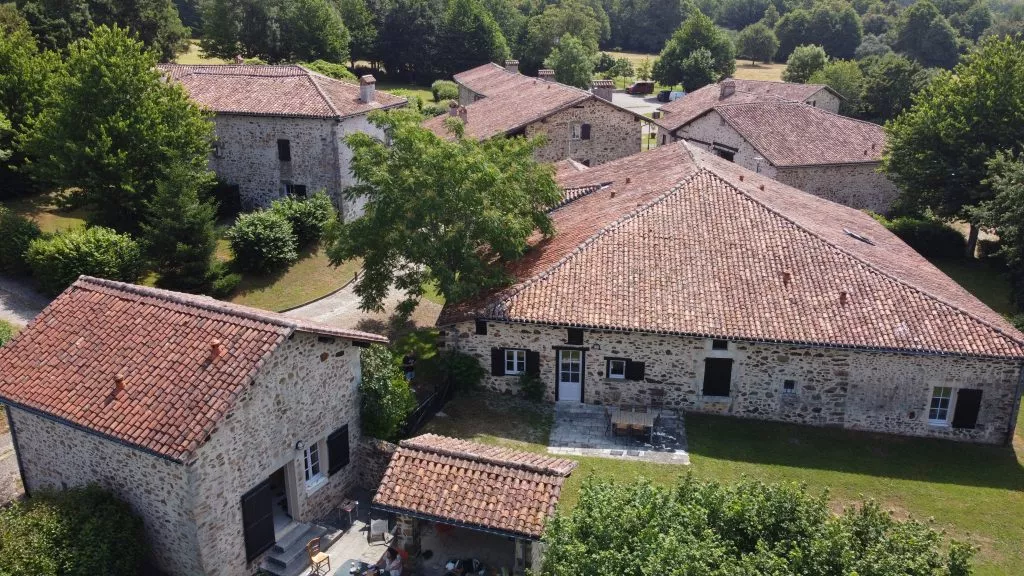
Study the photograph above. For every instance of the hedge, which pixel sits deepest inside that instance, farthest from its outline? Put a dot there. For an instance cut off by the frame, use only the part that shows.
(444, 90)
(58, 260)
(263, 242)
(17, 233)
(930, 238)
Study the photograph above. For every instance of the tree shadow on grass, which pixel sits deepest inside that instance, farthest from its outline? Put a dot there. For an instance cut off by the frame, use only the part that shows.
(252, 282)
(838, 450)
(478, 414)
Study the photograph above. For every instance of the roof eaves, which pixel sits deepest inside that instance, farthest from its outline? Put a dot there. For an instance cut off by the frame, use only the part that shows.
(454, 522)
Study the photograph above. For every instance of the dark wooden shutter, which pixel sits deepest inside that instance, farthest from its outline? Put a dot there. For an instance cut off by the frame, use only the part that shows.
(497, 362)
(717, 375)
(574, 336)
(634, 370)
(284, 150)
(532, 363)
(968, 403)
(481, 327)
(585, 132)
(258, 520)
(337, 450)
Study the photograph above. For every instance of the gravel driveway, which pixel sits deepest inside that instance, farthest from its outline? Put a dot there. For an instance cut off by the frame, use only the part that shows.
(19, 302)
(341, 309)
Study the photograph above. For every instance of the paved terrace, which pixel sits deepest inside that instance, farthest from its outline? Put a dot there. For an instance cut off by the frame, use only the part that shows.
(583, 430)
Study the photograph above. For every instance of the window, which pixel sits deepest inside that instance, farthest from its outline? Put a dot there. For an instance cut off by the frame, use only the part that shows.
(719, 344)
(717, 376)
(726, 155)
(311, 462)
(576, 131)
(481, 327)
(337, 450)
(789, 387)
(617, 369)
(938, 410)
(663, 138)
(284, 150)
(515, 362)
(296, 190)
(574, 336)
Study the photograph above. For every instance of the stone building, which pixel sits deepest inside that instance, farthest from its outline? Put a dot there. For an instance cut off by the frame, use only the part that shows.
(791, 133)
(281, 129)
(579, 125)
(679, 279)
(222, 426)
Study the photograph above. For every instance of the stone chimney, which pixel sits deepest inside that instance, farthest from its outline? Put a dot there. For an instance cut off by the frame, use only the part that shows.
(546, 74)
(239, 59)
(463, 114)
(512, 66)
(367, 88)
(602, 89)
(728, 88)
(453, 108)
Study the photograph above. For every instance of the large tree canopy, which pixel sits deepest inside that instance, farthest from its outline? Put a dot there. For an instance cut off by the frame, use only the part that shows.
(922, 33)
(572, 62)
(274, 30)
(448, 212)
(675, 59)
(575, 17)
(836, 27)
(890, 82)
(937, 150)
(1004, 213)
(470, 38)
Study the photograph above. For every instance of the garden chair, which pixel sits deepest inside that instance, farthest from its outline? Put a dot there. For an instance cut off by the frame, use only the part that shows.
(378, 530)
(319, 562)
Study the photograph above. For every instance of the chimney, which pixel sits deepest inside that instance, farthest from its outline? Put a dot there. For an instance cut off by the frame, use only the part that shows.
(602, 89)
(118, 384)
(787, 277)
(367, 86)
(239, 59)
(728, 88)
(463, 114)
(843, 298)
(512, 66)
(453, 108)
(217, 349)
(546, 74)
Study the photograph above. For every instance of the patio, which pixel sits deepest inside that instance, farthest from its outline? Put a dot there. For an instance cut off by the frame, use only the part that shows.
(583, 430)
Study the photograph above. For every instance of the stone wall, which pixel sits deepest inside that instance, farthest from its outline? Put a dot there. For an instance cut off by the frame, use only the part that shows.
(372, 461)
(56, 456)
(711, 128)
(307, 389)
(860, 186)
(825, 100)
(882, 392)
(614, 133)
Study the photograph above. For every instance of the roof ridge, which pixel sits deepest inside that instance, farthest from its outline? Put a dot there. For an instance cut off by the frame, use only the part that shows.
(319, 90)
(863, 261)
(416, 444)
(802, 104)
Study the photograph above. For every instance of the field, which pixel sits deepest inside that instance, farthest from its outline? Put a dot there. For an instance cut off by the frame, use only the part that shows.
(744, 69)
(193, 56)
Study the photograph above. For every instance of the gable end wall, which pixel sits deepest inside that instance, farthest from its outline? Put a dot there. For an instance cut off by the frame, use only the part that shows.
(614, 134)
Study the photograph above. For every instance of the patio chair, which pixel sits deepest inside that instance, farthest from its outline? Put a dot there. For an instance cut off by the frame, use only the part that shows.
(319, 562)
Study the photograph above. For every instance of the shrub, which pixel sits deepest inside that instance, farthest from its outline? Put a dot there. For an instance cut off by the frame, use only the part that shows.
(307, 217)
(430, 110)
(76, 532)
(330, 69)
(386, 396)
(532, 387)
(989, 249)
(803, 63)
(444, 90)
(463, 370)
(262, 242)
(930, 238)
(222, 280)
(605, 62)
(6, 332)
(17, 233)
(58, 260)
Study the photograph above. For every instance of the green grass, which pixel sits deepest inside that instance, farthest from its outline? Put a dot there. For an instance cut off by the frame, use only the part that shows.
(194, 56)
(310, 278)
(422, 92)
(44, 211)
(744, 69)
(987, 282)
(974, 492)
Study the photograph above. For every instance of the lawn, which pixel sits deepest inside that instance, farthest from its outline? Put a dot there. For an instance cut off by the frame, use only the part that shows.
(744, 69)
(194, 56)
(988, 283)
(973, 492)
(422, 92)
(43, 209)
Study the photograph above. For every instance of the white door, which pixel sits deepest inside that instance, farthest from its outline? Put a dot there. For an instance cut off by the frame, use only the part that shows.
(570, 376)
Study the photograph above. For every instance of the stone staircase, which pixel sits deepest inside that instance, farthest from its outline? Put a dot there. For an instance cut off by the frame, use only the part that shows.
(288, 557)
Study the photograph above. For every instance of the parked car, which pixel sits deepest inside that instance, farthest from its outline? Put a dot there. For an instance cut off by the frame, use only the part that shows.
(664, 95)
(645, 87)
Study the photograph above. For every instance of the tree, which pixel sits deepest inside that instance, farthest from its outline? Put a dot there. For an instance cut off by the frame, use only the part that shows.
(361, 28)
(937, 150)
(312, 30)
(622, 68)
(834, 27)
(697, 32)
(274, 30)
(572, 62)
(574, 17)
(703, 527)
(791, 31)
(1004, 213)
(510, 19)
(757, 42)
(385, 396)
(738, 14)
(643, 69)
(875, 23)
(872, 45)
(178, 233)
(698, 69)
(470, 38)
(447, 212)
(846, 78)
(771, 16)
(409, 39)
(972, 23)
(922, 33)
(803, 62)
(890, 82)
(58, 260)
(114, 127)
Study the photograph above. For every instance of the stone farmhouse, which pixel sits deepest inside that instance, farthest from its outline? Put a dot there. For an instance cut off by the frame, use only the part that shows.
(222, 426)
(678, 279)
(789, 132)
(579, 125)
(281, 129)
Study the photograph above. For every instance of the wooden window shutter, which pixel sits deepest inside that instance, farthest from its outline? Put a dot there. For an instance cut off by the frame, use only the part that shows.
(497, 362)
(532, 363)
(574, 336)
(337, 450)
(634, 370)
(258, 520)
(968, 404)
(585, 132)
(717, 376)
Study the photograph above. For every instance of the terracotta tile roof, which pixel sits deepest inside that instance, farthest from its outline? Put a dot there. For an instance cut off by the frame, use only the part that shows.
(684, 242)
(473, 485)
(66, 363)
(684, 110)
(286, 90)
(796, 134)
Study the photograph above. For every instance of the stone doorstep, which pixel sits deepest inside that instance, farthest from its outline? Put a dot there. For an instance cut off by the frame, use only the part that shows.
(288, 557)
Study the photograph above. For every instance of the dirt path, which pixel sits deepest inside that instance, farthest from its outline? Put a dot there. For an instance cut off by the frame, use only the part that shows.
(19, 302)
(341, 309)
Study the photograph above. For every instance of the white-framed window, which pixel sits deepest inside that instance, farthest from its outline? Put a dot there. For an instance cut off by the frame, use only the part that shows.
(515, 361)
(941, 405)
(617, 369)
(576, 130)
(311, 464)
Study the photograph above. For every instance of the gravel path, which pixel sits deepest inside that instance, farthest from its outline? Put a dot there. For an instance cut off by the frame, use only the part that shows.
(341, 309)
(19, 302)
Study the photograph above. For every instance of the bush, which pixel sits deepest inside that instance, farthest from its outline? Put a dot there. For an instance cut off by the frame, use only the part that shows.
(989, 249)
(444, 90)
(803, 63)
(463, 370)
(532, 387)
(930, 238)
(222, 280)
(605, 62)
(386, 396)
(430, 110)
(6, 332)
(77, 532)
(263, 242)
(308, 217)
(58, 260)
(17, 233)
(330, 69)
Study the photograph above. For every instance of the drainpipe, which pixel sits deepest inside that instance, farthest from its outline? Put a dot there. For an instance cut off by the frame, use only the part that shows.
(1012, 428)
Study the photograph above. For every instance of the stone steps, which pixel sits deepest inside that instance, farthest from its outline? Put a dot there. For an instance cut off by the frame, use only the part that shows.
(288, 557)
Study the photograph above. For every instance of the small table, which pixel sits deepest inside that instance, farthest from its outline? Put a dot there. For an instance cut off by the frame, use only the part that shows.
(634, 419)
(348, 507)
(347, 567)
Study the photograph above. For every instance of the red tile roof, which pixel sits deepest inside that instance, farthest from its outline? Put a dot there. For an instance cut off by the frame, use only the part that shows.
(680, 241)
(67, 362)
(795, 134)
(473, 485)
(287, 90)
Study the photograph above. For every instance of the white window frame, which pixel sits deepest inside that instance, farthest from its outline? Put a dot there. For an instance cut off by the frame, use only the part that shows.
(313, 467)
(516, 358)
(612, 375)
(576, 130)
(948, 409)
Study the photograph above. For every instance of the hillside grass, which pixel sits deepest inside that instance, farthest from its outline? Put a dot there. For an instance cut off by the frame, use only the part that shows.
(744, 69)
(194, 56)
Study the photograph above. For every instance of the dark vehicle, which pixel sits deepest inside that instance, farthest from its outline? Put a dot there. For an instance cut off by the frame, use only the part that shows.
(664, 95)
(640, 88)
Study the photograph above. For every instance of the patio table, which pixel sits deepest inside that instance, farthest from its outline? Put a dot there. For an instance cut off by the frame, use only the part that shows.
(622, 418)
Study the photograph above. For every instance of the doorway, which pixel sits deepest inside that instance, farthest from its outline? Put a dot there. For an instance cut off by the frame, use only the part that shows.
(570, 375)
(279, 494)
